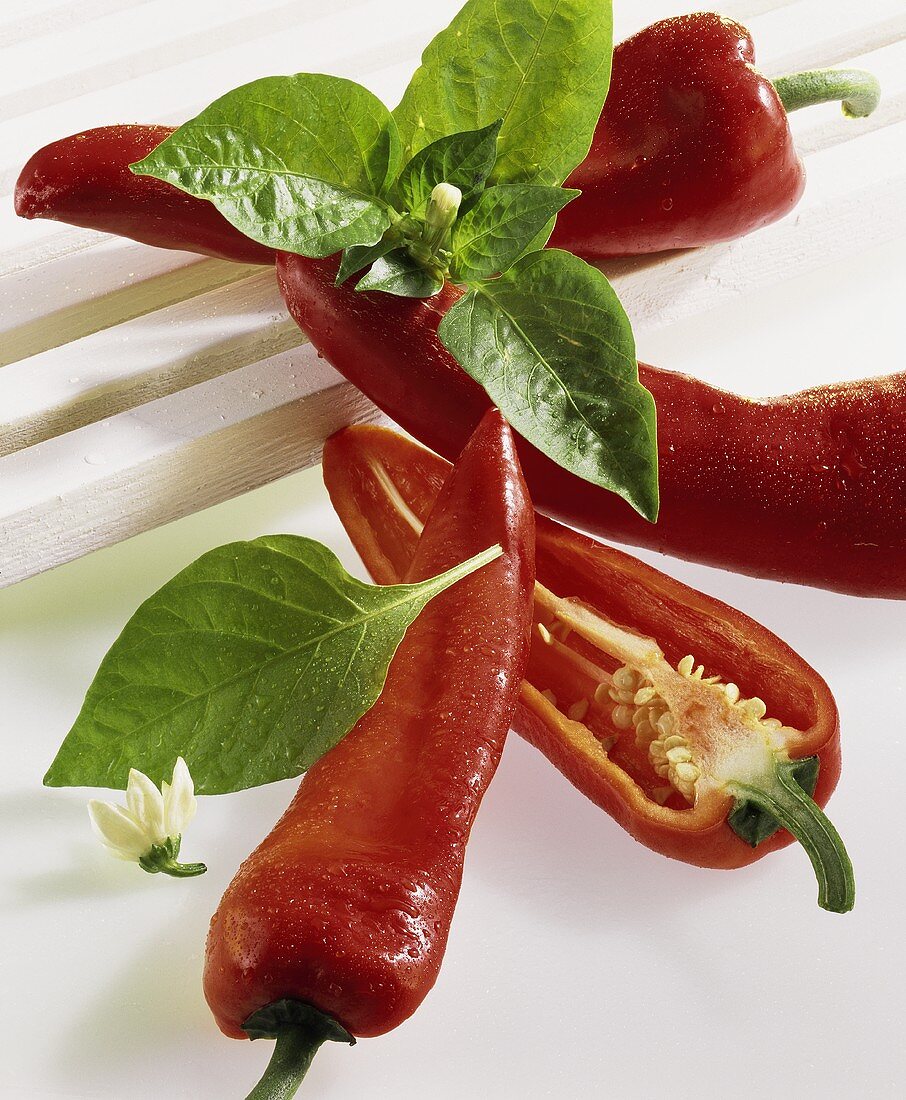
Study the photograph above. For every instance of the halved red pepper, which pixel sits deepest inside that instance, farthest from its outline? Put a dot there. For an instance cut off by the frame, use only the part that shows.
(809, 488)
(336, 925)
(693, 726)
(693, 145)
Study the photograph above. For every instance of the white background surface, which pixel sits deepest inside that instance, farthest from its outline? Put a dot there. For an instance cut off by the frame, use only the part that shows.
(580, 964)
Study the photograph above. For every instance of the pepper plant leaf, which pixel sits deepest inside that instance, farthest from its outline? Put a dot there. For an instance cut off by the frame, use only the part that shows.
(251, 664)
(465, 160)
(542, 66)
(553, 347)
(502, 224)
(359, 256)
(297, 163)
(397, 273)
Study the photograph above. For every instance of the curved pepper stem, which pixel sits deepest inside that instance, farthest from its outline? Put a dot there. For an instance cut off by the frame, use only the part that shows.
(783, 797)
(858, 90)
(299, 1030)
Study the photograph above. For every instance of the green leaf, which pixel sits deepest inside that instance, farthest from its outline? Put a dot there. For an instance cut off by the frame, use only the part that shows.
(543, 66)
(552, 346)
(251, 664)
(359, 256)
(465, 160)
(397, 273)
(297, 163)
(501, 225)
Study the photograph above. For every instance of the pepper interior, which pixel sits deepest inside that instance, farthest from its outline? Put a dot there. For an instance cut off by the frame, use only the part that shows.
(676, 729)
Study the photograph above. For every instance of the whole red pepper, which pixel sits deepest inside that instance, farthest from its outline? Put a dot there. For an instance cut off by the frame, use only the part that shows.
(693, 726)
(85, 180)
(344, 909)
(809, 488)
(693, 145)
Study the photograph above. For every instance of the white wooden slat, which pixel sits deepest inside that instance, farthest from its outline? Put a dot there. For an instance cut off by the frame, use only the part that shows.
(146, 37)
(802, 37)
(51, 16)
(179, 454)
(137, 361)
(166, 43)
(69, 299)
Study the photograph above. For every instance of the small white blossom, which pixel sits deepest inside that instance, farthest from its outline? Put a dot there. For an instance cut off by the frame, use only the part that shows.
(148, 829)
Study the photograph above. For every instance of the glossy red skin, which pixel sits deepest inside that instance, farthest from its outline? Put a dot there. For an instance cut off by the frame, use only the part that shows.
(347, 904)
(85, 180)
(809, 488)
(627, 592)
(693, 146)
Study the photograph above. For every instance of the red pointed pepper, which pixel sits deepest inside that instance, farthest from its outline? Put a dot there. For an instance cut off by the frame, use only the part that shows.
(809, 488)
(694, 145)
(339, 919)
(85, 180)
(693, 726)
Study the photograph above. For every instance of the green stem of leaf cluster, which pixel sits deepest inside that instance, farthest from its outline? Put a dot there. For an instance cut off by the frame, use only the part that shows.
(782, 796)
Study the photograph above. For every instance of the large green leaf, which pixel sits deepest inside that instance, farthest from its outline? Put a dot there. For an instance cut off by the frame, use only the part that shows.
(494, 233)
(543, 66)
(552, 346)
(296, 162)
(251, 664)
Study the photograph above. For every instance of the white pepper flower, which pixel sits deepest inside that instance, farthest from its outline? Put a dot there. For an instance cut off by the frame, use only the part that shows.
(148, 829)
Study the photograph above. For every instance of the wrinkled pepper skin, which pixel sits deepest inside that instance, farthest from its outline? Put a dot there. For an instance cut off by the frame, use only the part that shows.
(347, 904)
(85, 180)
(382, 486)
(693, 146)
(809, 488)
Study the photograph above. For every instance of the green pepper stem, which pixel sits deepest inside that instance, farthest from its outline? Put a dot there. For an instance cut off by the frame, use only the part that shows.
(299, 1029)
(294, 1051)
(783, 797)
(858, 90)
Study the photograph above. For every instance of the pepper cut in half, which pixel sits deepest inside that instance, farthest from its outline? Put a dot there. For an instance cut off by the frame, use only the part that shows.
(701, 732)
